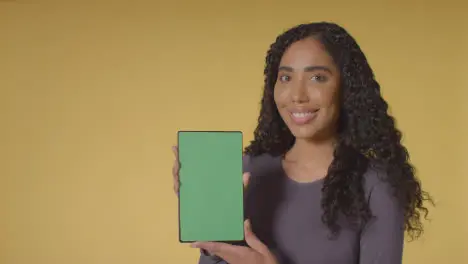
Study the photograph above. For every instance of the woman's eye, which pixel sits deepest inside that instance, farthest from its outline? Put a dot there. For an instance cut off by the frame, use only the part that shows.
(319, 78)
(284, 78)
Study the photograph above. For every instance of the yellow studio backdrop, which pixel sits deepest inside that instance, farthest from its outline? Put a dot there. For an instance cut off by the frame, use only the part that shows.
(93, 92)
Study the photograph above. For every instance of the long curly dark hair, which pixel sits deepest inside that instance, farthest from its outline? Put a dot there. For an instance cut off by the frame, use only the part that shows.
(366, 133)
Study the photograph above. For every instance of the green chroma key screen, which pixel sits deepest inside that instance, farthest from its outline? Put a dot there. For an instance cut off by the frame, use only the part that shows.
(211, 203)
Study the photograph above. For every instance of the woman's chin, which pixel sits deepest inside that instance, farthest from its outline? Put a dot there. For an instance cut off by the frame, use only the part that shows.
(304, 133)
(311, 134)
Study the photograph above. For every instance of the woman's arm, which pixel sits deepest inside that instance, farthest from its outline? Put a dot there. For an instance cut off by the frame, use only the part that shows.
(383, 237)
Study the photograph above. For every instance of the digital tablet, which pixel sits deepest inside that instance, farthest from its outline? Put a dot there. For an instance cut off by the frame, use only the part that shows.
(211, 203)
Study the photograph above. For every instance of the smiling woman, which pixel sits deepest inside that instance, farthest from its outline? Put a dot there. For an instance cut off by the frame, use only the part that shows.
(330, 181)
(307, 90)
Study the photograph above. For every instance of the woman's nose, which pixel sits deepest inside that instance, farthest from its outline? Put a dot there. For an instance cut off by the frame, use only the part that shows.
(299, 93)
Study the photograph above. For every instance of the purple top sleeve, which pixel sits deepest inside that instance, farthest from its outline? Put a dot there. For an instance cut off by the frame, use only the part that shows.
(382, 239)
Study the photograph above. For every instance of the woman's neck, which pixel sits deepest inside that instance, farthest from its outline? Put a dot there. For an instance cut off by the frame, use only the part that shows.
(312, 152)
(308, 161)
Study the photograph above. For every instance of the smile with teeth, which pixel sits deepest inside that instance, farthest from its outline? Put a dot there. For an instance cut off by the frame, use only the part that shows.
(302, 115)
(301, 118)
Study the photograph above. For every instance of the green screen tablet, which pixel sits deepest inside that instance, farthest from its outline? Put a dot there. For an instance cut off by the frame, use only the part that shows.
(211, 203)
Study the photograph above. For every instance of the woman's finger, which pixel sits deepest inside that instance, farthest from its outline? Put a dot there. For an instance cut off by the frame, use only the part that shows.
(175, 170)
(175, 150)
(245, 179)
(176, 166)
(253, 241)
(230, 253)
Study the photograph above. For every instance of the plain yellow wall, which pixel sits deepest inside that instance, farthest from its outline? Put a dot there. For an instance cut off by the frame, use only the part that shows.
(93, 92)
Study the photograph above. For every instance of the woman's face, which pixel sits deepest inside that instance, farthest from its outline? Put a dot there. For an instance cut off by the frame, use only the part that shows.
(307, 90)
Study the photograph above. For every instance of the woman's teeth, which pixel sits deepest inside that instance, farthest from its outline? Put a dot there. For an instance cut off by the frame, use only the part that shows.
(302, 118)
(302, 114)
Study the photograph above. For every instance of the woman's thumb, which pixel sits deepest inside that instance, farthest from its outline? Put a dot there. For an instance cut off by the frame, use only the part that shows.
(245, 179)
(253, 241)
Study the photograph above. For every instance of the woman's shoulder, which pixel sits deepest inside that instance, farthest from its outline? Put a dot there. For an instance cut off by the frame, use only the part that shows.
(376, 178)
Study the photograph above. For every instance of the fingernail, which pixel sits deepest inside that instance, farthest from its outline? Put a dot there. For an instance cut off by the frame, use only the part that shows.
(248, 226)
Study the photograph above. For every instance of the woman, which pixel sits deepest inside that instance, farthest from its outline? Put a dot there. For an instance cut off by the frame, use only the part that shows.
(330, 181)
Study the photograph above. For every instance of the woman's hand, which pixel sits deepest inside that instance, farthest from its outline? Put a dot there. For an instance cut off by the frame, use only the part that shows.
(175, 170)
(257, 253)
